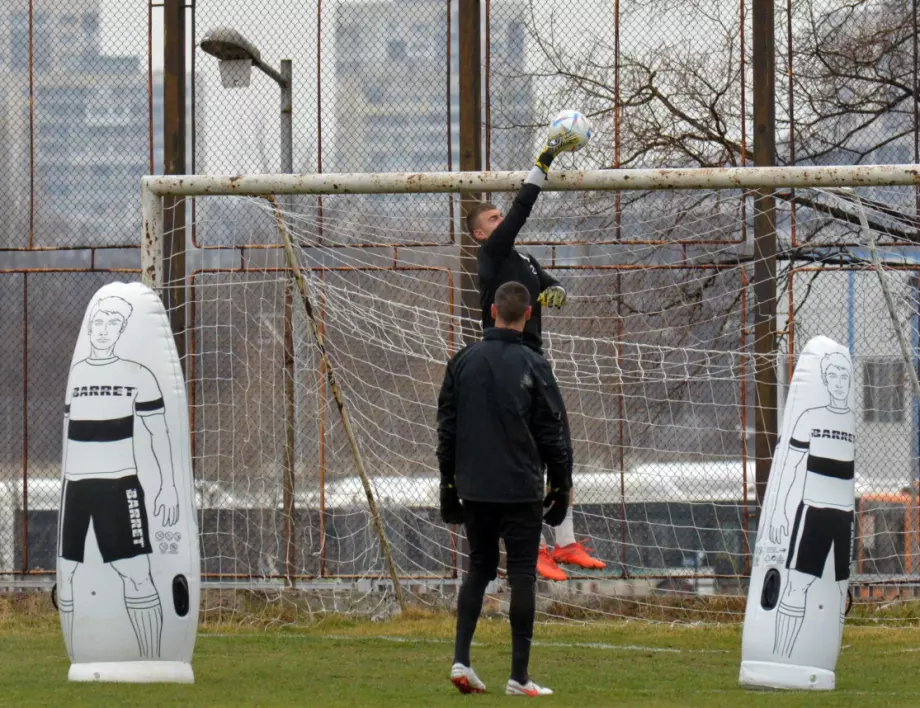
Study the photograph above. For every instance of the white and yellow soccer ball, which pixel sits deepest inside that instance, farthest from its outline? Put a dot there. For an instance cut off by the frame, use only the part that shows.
(574, 123)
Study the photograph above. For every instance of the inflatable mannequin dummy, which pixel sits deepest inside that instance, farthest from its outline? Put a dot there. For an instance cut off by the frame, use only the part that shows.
(128, 571)
(796, 603)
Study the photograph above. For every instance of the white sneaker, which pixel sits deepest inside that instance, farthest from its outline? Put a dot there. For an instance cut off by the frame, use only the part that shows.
(465, 679)
(513, 688)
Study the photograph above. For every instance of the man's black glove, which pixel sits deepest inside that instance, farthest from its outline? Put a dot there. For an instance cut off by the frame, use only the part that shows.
(451, 508)
(558, 502)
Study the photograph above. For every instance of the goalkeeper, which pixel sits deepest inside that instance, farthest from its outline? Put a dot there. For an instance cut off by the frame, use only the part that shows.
(499, 262)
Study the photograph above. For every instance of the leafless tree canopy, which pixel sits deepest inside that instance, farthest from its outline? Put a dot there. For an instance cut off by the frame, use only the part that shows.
(681, 103)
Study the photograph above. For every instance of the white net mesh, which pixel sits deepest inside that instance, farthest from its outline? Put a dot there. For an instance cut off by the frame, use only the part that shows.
(654, 353)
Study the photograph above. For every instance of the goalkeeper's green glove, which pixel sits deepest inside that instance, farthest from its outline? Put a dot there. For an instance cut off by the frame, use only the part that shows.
(553, 296)
(564, 142)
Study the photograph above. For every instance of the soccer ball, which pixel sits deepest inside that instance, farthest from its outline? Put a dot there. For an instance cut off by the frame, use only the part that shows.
(572, 122)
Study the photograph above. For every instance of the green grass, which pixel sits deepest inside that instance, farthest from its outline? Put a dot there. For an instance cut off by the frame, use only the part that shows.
(405, 663)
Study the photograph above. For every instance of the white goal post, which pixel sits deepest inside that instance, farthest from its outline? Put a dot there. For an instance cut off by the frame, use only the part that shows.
(653, 353)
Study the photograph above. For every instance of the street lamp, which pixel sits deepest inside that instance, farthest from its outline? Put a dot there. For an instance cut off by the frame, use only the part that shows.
(237, 55)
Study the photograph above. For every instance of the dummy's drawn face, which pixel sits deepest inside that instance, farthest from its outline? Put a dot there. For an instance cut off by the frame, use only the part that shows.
(105, 328)
(837, 380)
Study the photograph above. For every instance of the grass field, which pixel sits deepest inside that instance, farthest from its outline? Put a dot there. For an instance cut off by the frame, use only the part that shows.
(404, 662)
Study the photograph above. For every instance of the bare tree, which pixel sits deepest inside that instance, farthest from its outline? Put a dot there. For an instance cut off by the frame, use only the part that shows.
(676, 100)
(854, 72)
(680, 102)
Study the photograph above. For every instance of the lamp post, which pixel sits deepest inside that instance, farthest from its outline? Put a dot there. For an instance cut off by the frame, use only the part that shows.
(237, 56)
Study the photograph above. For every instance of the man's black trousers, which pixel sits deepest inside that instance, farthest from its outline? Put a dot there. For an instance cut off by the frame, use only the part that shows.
(519, 526)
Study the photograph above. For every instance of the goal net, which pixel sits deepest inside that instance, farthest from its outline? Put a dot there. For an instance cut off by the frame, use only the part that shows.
(655, 352)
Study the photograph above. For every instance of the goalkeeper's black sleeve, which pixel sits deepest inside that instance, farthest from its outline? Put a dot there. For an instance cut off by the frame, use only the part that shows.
(447, 427)
(546, 280)
(499, 244)
(550, 428)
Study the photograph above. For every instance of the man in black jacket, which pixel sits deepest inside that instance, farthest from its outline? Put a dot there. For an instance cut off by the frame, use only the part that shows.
(500, 421)
(498, 262)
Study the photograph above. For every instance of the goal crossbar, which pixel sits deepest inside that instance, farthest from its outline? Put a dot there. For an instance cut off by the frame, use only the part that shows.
(572, 180)
(155, 188)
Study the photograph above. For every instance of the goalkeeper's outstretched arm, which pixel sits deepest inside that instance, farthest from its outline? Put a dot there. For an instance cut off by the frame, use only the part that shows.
(501, 241)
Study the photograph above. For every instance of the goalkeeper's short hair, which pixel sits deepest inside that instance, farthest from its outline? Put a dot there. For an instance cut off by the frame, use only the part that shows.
(512, 300)
(472, 216)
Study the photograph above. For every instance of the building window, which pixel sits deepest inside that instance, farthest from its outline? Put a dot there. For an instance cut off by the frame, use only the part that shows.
(41, 42)
(19, 28)
(374, 94)
(397, 49)
(516, 37)
(41, 46)
(90, 23)
(883, 391)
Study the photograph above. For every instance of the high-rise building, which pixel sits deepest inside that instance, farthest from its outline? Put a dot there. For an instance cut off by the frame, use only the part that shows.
(80, 154)
(391, 79)
(512, 109)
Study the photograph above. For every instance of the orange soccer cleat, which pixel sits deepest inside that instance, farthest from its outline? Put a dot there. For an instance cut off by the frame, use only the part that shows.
(577, 554)
(547, 567)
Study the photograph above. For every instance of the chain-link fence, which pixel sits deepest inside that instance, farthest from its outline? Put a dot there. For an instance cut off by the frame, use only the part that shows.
(376, 89)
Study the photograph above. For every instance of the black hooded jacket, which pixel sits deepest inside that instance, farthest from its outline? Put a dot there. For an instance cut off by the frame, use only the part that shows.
(501, 419)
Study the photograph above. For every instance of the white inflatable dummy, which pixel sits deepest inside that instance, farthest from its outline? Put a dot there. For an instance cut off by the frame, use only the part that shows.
(128, 572)
(801, 565)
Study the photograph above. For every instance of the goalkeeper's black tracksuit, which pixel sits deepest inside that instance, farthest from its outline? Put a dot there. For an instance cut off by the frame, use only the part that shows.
(500, 420)
(499, 262)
